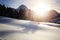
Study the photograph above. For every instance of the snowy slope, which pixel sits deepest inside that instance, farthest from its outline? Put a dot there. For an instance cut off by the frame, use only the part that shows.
(13, 29)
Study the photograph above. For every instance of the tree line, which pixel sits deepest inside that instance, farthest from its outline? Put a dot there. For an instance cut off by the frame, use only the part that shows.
(21, 14)
(11, 12)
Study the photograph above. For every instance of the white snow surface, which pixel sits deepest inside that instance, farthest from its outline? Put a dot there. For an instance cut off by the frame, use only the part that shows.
(14, 29)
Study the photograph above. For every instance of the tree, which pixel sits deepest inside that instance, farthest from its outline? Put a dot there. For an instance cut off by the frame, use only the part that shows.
(23, 11)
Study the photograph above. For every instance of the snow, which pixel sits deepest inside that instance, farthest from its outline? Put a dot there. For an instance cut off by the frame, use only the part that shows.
(14, 29)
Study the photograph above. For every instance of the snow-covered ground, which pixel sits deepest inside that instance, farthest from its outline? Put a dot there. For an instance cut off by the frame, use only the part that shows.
(13, 29)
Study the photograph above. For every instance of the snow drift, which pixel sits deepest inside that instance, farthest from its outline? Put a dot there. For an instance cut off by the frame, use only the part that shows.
(13, 29)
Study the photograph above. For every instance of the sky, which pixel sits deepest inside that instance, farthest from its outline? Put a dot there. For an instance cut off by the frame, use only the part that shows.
(55, 4)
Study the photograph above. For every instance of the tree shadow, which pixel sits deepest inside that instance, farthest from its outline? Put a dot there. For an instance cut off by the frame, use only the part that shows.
(4, 20)
(54, 25)
(5, 33)
(27, 26)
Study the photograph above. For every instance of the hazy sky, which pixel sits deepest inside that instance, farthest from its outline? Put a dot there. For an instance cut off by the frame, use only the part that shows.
(55, 4)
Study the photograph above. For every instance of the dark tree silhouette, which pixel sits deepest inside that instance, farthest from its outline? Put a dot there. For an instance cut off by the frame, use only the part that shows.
(8, 12)
(13, 13)
(23, 12)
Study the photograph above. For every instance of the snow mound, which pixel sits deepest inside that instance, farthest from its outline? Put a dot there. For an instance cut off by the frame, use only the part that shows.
(14, 29)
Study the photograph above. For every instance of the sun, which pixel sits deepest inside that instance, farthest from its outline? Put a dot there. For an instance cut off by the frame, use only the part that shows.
(41, 8)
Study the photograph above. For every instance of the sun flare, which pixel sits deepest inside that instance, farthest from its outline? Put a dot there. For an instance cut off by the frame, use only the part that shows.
(41, 9)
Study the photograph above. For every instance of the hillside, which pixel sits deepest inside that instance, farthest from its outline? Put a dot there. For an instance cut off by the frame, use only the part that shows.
(14, 29)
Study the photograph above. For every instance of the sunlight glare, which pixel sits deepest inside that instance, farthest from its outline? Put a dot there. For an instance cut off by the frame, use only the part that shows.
(41, 9)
